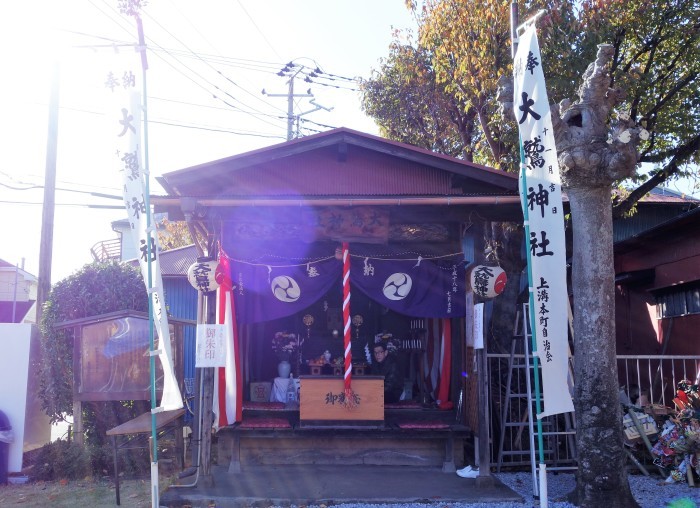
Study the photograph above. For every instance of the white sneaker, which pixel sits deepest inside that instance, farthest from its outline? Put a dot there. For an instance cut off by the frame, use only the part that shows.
(470, 473)
(464, 469)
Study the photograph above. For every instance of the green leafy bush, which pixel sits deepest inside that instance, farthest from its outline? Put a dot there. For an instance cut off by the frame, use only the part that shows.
(61, 460)
(97, 288)
(98, 418)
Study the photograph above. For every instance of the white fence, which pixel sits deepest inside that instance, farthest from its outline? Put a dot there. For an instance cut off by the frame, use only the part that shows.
(655, 377)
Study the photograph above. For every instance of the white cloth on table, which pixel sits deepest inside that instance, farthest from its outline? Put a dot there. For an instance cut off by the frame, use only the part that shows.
(279, 389)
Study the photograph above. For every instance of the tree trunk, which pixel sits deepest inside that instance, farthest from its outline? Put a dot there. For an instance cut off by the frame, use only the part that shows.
(602, 476)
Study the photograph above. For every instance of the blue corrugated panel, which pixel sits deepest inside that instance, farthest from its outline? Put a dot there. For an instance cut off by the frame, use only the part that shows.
(181, 301)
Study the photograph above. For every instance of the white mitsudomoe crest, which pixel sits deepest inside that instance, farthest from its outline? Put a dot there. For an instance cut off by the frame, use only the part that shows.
(397, 286)
(285, 289)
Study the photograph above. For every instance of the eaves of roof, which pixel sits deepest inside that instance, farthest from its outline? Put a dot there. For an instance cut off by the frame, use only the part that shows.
(684, 222)
(175, 182)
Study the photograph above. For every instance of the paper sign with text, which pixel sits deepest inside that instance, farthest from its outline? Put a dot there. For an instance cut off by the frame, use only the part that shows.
(479, 326)
(211, 346)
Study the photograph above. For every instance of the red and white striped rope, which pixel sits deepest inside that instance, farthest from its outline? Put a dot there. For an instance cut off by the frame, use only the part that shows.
(347, 332)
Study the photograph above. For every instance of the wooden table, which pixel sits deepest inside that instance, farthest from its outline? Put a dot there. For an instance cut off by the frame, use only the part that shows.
(322, 401)
(166, 421)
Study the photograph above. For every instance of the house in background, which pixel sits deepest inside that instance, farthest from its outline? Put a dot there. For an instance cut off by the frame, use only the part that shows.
(658, 287)
(20, 345)
(17, 294)
(121, 248)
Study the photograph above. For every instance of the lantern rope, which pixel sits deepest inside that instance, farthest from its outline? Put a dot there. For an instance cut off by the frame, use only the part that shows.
(307, 261)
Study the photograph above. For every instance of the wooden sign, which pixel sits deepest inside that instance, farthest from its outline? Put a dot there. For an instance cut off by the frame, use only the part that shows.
(322, 399)
(366, 223)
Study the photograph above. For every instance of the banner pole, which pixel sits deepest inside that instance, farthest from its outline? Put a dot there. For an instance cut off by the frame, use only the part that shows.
(535, 358)
(155, 496)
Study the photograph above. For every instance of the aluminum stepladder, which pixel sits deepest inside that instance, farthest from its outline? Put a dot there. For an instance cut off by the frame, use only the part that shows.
(559, 430)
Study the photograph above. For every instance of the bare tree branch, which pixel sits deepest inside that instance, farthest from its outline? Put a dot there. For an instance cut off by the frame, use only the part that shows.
(681, 155)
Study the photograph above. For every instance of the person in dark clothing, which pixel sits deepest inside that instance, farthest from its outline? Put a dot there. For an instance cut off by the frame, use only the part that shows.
(386, 365)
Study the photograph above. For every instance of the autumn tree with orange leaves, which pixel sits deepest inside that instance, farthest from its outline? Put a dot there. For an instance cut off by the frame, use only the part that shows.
(645, 108)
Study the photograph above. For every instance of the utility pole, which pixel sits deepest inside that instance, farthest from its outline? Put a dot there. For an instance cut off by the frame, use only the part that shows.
(290, 105)
(47, 219)
(290, 95)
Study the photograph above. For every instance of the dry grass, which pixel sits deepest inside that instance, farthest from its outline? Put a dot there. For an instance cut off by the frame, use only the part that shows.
(84, 494)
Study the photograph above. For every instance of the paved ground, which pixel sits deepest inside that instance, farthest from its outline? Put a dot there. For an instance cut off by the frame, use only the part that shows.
(303, 485)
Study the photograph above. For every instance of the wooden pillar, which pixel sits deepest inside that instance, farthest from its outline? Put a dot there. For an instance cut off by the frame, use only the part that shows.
(197, 420)
(207, 398)
(78, 436)
(483, 430)
(473, 247)
(207, 420)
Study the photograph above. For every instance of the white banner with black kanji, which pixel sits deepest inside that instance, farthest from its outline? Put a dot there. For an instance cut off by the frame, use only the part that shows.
(540, 189)
(124, 121)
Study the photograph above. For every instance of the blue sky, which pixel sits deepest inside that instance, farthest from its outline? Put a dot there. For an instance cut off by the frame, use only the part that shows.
(229, 49)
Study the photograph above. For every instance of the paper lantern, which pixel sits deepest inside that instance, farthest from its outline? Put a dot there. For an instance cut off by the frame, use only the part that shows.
(205, 275)
(487, 281)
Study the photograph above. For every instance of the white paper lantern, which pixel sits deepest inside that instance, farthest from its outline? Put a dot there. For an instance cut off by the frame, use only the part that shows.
(487, 281)
(204, 275)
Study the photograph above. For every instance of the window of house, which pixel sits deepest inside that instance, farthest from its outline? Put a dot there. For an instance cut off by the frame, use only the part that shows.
(678, 301)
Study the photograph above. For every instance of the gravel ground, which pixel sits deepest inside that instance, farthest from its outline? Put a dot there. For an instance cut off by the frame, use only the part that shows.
(650, 492)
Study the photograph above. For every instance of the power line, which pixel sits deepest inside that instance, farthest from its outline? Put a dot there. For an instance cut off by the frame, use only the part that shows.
(311, 75)
(174, 123)
(119, 23)
(183, 65)
(67, 182)
(215, 129)
(228, 109)
(316, 73)
(258, 29)
(306, 120)
(194, 27)
(253, 111)
(196, 55)
(309, 80)
(207, 63)
(229, 61)
(35, 186)
(81, 205)
(93, 36)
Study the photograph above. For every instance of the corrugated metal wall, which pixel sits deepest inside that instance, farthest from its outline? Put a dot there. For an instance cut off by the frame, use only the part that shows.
(181, 302)
(645, 218)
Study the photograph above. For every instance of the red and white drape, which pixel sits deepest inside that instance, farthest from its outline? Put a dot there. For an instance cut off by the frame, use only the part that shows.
(228, 380)
(437, 359)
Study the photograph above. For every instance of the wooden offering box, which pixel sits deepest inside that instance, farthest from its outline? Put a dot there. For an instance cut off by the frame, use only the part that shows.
(322, 401)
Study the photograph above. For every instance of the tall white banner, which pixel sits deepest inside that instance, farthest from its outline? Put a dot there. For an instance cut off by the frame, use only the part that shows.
(540, 190)
(124, 119)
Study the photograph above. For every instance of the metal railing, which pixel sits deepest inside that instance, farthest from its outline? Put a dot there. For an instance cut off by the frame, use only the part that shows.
(107, 250)
(654, 376)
